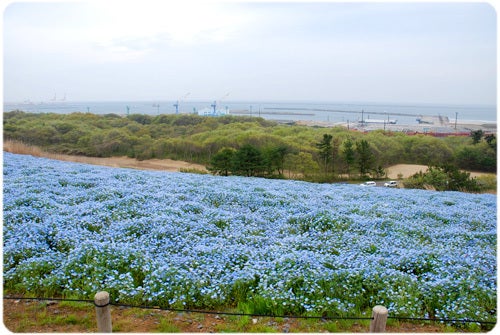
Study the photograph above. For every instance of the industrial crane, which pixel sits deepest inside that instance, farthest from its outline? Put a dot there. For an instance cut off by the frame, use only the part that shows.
(176, 105)
(214, 104)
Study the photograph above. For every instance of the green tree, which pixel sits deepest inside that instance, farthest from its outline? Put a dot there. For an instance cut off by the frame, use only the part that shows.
(491, 139)
(476, 135)
(427, 150)
(247, 161)
(222, 162)
(274, 158)
(325, 151)
(348, 154)
(116, 141)
(301, 162)
(143, 148)
(479, 157)
(365, 157)
(443, 178)
(459, 180)
(140, 118)
(379, 172)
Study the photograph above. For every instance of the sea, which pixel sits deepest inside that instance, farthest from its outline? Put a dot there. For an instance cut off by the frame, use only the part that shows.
(279, 111)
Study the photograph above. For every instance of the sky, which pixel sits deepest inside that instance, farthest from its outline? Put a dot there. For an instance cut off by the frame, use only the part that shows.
(392, 52)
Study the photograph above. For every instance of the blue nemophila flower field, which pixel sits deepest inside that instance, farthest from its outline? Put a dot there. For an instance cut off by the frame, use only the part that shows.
(198, 241)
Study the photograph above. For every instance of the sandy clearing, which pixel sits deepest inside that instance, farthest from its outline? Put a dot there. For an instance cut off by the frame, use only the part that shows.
(407, 170)
(404, 170)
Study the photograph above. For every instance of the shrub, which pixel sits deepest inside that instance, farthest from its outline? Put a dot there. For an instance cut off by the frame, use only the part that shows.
(443, 178)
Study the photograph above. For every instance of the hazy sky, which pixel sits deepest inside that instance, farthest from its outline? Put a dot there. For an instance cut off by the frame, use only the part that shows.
(359, 52)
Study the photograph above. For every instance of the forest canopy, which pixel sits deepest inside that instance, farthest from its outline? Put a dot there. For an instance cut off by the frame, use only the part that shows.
(311, 153)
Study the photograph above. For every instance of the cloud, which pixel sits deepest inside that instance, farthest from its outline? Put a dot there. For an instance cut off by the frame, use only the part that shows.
(176, 23)
(303, 50)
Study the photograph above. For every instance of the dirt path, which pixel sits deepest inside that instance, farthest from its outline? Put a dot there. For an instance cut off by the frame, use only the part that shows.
(169, 165)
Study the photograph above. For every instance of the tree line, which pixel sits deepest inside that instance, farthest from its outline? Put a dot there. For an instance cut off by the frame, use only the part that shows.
(243, 145)
(250, 161)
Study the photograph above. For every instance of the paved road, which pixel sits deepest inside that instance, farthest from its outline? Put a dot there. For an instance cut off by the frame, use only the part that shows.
(379, 184)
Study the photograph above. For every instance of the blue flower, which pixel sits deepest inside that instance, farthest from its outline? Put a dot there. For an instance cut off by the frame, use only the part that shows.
(190, 240)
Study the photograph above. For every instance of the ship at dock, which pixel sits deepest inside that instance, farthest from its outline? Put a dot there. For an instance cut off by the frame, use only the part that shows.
(378, 121)
(433, 119)
(213, 110)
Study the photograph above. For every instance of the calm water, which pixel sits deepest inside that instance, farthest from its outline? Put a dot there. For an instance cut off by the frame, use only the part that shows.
(333, 112)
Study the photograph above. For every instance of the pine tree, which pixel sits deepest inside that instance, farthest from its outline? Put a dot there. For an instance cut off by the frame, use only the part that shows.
(365, 157)
(247, 161)
(325, 151)
(221, 163)
(348, 154)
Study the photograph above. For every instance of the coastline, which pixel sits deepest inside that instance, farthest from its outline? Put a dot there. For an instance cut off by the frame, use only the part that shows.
(329, 111)
(449, 128)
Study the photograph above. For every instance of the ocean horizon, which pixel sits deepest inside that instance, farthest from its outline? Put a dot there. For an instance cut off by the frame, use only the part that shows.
(403, 113)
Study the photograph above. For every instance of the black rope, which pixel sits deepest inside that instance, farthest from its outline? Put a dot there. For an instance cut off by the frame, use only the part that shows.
(243, 314)
(181, 310)
(250, 314)
(441, 320)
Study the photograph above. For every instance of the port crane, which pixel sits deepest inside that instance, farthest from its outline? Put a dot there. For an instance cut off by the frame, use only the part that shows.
(176, 105)
(214, 104)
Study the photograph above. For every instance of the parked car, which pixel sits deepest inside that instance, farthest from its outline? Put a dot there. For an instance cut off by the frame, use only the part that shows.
(369, 183)
(391, 183)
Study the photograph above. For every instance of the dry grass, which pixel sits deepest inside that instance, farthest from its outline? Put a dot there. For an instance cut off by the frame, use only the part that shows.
(169, 165)
(23, 149)
(60, 317)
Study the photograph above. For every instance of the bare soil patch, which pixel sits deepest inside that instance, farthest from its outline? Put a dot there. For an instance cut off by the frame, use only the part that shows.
(404, 170)
(168, 165)
(407, 170)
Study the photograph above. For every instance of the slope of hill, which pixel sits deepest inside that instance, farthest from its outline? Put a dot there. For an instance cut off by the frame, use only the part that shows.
(269, 246)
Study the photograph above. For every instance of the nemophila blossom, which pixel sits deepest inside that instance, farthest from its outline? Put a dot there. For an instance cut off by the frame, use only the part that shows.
(184, 240)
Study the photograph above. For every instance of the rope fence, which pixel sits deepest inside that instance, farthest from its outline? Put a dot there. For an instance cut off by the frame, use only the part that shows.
(102, 302)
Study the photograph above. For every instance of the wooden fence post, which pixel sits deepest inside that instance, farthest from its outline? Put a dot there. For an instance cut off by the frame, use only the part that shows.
(103, 312)
(379, 315)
